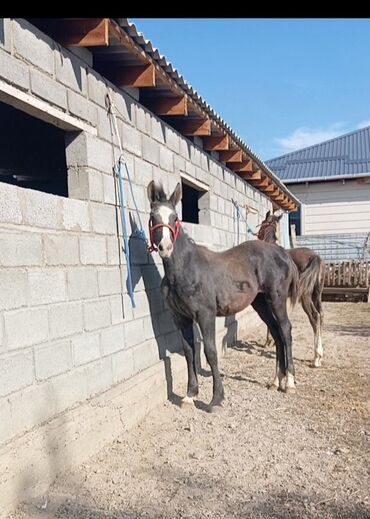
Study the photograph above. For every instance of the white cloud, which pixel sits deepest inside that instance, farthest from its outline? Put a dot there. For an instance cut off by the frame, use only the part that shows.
(303, 137)
(363, 124)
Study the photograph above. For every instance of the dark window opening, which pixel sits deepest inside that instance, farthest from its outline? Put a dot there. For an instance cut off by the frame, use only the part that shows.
(32, 152)
(295, 219)
(190, 203)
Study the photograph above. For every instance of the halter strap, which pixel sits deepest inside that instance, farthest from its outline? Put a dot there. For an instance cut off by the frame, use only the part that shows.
(174, 231)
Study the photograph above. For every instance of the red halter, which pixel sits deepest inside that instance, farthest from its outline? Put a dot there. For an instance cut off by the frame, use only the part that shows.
(174, 231)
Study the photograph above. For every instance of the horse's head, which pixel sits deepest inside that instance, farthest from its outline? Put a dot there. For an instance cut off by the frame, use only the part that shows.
(164, 224)
(268, 227)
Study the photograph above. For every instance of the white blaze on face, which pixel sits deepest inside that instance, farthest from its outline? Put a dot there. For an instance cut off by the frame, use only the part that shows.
(165, 246)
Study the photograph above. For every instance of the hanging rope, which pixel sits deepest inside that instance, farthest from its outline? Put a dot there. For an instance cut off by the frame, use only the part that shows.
(238, 215)
(139, 231)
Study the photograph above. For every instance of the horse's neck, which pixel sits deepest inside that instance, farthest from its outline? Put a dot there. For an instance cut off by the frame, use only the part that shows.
(270, 235)
(180, 263)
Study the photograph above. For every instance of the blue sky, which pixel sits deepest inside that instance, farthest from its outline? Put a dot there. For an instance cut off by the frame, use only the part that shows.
(281, 84)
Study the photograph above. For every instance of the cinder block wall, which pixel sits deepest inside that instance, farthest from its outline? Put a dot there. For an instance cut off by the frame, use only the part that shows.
(67, 329)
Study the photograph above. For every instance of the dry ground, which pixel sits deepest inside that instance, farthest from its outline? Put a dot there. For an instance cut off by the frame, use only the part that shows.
(267, 455)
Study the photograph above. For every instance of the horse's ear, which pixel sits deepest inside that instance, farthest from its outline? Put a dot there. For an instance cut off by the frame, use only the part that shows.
(267, 215)
(176, 195)
(155, 192)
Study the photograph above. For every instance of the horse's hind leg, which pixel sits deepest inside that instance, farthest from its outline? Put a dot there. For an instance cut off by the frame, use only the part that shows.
(186, 328)
(207, 326)
(263, 309)
(315, 320)
(269, 339)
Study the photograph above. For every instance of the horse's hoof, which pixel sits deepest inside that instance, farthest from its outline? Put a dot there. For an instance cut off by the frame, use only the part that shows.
(215, 409)
(187, 402)
(272, 387)
(290, 390)
(316, 363)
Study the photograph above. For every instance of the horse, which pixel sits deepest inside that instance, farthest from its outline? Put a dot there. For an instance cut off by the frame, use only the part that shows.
(311, 268)
(200, 284)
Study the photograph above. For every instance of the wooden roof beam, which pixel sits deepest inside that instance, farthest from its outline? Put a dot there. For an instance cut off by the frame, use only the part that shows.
(242, 167)
(130, 76)
(231, 156)
(77, 32)
(218, 143)
(259, 183)
(191, 127)
(166, 105)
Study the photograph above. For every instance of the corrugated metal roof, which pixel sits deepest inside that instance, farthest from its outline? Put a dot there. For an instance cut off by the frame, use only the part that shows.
(154, 53)
(344, 156)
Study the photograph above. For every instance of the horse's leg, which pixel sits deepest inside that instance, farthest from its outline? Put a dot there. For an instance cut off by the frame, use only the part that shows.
(314, 318)
(268, 339)
(319, 350)
(262, 307)
(278, 306)
(208, 328)
(186, 328)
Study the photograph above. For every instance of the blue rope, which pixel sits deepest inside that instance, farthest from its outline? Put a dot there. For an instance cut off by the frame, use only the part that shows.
(126, 249)
(240, 216)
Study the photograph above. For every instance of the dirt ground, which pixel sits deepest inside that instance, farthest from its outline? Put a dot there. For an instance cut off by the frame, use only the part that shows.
(267, 455)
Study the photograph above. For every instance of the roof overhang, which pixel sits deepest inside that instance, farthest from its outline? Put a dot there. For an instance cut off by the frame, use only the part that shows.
(125, 58)
(327, 178)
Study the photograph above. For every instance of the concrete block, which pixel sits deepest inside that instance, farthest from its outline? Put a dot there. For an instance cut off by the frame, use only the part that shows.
(26, 327)
(69, 388)
(1, 331)
(143, 172)
(138, 251)
(82, 283)
(30, 407)
(112, 339)
(70, 71)
(98, 376)
(99, 155)
(16, 372)
(14, 71)
(48, 89)
(97, 89)
(85, 348)
(106, 129)
(93, 250)
(157, 130)
(148, 327)
(131, 139)
(97, 314)
(83, 108)
(173, 342)
(13, 289)
(195, 156)
(150, 150)
(6, 430)
(190, 169)
(113, 248)
(10, 207)
(145, 355)
(178, 163)
(75, 215)
(61, 249)
(127, 308)
(142, 119)
(109, 190)
(204, 161)
(166, 324)
(122, 365)
(116, 309)
(5, 34)
(124, 105)
(78, 183)
(65, 319)
(142, 305)
(33, 46)
(82, 54)
(109, 281)
(95, 185)
(165, 158)
(185, 147)
(46, 286)
(134, 332)
(42, 209)
(172, 139)
(103, 219)
(52, 360)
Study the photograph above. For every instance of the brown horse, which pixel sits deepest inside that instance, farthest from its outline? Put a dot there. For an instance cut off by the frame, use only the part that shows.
(311, 268)
(200, 284)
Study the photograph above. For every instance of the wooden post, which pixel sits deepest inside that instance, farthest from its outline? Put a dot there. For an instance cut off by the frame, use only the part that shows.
(293, 236)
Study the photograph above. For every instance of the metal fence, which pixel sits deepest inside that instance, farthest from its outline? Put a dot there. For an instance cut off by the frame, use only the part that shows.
(337, 247)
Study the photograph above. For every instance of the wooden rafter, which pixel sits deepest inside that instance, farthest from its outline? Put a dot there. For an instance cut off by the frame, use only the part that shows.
(242, 167)
(216, 143)
(231, 156)
(167, 105)
(78, 32)
(190, 127)
(130, 76)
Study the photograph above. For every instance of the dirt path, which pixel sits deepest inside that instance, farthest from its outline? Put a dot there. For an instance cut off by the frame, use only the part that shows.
(268, 455)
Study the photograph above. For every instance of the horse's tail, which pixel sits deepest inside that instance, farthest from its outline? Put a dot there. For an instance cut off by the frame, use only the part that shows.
(311, 282)
(294, 284)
